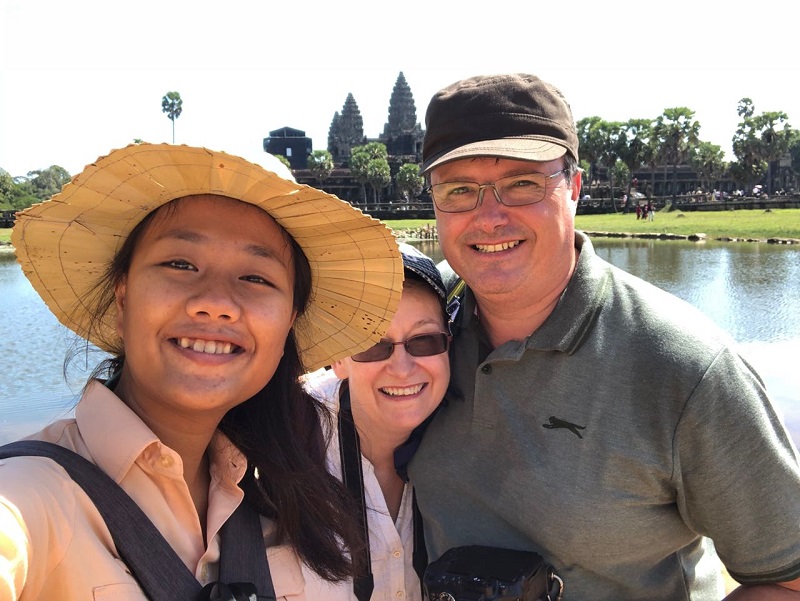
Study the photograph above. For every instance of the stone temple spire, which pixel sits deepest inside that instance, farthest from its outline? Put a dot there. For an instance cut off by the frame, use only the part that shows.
(402, 111)
(346, 131)
(402, 134)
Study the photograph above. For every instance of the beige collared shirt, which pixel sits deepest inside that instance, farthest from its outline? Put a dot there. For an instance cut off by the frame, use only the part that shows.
(55, 545)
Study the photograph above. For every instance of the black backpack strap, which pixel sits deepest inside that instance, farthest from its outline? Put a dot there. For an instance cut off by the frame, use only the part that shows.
(353, 479)
(243, 556)
(155, 565)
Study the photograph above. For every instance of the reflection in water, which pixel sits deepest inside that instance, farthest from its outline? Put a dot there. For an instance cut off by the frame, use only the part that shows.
(744, 287)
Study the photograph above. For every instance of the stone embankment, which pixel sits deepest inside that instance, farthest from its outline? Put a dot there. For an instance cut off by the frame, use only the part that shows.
(6, 248)
(430, 233)
(426, 232)
(699, 237)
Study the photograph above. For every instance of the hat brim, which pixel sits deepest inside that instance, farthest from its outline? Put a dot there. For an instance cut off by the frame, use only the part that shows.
(423, 267)
(65, 244)
(521, 148)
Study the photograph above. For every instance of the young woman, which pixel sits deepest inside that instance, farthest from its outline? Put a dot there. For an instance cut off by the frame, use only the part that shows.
(387, 392)
(214, 284)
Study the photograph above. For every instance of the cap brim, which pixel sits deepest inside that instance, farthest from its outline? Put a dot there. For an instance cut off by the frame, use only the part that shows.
(524, 149)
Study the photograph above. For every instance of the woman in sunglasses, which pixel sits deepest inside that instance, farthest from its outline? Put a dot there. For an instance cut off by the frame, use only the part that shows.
(382, 396)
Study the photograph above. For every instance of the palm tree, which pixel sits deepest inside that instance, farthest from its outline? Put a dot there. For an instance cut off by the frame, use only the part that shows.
(172, 105)
(361, 167)
(591, 144)
(612, 137)
(678, 133)
(320, 163)
(636, 152)
(409, 181)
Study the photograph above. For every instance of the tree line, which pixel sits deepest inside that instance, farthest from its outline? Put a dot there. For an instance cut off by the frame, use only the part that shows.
(617, 148)
(17, 193)
(369, 165)
(672, 139)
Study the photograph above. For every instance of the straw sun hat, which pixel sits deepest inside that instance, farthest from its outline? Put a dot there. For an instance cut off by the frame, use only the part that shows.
(64, 244)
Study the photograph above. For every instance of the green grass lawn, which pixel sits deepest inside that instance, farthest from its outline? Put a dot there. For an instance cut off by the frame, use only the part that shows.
(779, 223)
(5, 234)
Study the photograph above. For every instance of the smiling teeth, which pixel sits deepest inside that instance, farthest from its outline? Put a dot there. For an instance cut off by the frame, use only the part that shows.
(493, 248)
(212, 347)
(404, 391)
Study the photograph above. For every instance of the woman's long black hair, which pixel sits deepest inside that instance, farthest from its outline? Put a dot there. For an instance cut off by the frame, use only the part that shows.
(279, 431)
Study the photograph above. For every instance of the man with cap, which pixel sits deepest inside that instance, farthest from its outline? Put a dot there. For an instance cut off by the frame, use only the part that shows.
(629, 487)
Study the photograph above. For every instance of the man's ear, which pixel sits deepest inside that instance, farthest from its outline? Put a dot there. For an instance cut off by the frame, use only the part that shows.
(119, 298)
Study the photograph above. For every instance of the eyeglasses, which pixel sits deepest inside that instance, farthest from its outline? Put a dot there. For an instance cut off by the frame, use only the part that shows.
(424, 345)
(512, 191)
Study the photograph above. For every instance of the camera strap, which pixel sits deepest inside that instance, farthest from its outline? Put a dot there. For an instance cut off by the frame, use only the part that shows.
(353, 479)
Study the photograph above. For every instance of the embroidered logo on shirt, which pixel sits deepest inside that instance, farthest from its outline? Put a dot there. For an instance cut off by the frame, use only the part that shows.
(560, 423)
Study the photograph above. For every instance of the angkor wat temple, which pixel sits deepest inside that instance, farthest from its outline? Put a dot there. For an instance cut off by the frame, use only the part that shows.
(402, 136)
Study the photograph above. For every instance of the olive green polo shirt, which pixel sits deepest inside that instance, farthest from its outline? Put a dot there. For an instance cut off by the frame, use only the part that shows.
(616, 440)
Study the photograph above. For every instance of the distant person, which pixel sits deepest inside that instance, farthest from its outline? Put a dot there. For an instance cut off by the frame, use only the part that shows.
(208, 279)
(651, 211)
(386, 393)
(628, 486)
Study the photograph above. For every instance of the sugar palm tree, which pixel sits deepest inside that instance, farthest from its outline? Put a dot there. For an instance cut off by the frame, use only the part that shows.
(172, 105)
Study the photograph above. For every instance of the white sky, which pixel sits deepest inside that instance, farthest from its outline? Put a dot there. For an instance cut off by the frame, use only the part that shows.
(80, 77)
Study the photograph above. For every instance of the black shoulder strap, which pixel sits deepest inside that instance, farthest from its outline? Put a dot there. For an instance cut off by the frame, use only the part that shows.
(353, 479)
(152, 561)
(243, 556)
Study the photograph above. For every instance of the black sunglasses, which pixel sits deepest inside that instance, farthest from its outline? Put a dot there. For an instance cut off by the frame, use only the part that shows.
(424, 345)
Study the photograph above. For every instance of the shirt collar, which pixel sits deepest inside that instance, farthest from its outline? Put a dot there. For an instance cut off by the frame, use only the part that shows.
(116, 437)
(566, 327)
(580, 304)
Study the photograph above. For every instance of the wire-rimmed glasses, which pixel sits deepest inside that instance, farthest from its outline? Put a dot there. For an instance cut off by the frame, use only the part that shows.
(512, 191)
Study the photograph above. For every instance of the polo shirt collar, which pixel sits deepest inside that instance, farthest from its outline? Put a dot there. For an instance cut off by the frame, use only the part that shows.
(580, 304)
(577, 310)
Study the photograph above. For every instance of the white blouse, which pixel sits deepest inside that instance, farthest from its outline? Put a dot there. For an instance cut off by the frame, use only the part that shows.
(391, 543)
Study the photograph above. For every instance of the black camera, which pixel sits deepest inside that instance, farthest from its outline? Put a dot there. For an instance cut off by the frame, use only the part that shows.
(476, 573)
